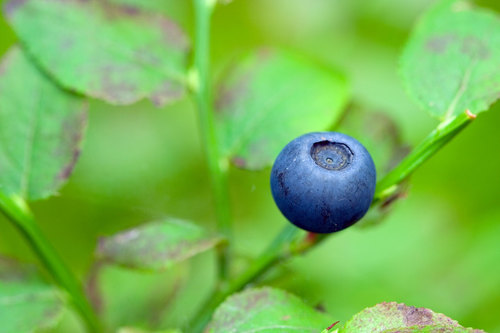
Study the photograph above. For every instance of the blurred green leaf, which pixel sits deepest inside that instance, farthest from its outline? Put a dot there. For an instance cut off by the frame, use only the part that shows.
(269, 310)
(452, 60)
(151, 5)
(115, 53)
(139, 330)
(433, 329)
(41, 129)
(394, 317)
(271, 97)
(156, 246)
(378, 133)
(26, 303)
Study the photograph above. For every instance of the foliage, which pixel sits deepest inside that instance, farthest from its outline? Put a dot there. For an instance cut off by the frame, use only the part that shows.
(26, 301)
(121, 51)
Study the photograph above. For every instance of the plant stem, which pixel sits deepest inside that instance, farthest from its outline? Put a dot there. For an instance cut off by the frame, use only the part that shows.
(443, 133)
(288, 244)
(218, 166)
(16, 210)
(278, 250)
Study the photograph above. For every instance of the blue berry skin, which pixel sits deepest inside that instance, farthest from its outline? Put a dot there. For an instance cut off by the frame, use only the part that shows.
(323, 182)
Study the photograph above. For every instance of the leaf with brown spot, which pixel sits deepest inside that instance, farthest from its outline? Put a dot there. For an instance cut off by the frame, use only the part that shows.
(269, 98)
(452, 60)
(434, 329)
(394, 317)
(26, 302)
(116, 53)
(139, 330)
(41, 129)
(267, 310)
(156, 246)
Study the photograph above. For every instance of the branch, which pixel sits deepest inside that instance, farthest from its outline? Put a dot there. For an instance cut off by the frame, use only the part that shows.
(217, 165)
(17, 211)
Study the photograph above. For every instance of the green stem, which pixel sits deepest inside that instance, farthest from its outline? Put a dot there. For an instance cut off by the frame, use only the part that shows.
(444, 132)
(277, 251)
(16, 210)
(218, 166)
(288, 243)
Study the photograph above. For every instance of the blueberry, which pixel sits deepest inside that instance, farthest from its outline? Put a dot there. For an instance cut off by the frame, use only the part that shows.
(323, 182)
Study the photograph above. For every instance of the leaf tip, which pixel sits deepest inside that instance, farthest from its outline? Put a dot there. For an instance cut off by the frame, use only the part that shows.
(470, 115)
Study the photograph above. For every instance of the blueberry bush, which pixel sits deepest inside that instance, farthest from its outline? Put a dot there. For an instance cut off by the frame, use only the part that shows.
(185, 118)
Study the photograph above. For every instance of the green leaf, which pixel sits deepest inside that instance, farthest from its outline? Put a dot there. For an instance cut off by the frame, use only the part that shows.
(434, 329)
(452, 60)
(150, 5)
(41, 129)
(26, 303)
(394, 317)
(156, 246)
(266, 310)
(139, 330)
(115, 53)
(271, 97)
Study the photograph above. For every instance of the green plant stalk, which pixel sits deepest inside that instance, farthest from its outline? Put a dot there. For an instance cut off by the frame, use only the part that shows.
(17, 211)
(217, 165)
(287, 244)
(277, 251)
(443, 133)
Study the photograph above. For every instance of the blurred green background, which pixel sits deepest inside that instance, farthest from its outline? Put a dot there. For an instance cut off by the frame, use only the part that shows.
(440, 247)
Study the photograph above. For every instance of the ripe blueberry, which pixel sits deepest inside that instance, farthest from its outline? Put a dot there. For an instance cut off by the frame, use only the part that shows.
(323, 182)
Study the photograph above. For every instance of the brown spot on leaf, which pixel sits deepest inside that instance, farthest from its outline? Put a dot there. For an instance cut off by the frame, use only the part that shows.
(416, 316)
(12, 270)
(166, 92)
(256, 299)
(475, 48)
(92, 289)
(439, 44)
(230, 92)
(113, 10)
(130, 10)
(239, 162)
(66, 43)
(236, 82)
(68, 169)
(173, 34)
(72, 136)
(145, 56)
(10, 6)
(113, 88)
(380, 126)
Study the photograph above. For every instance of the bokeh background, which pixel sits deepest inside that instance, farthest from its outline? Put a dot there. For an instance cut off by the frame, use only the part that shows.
(440, 247)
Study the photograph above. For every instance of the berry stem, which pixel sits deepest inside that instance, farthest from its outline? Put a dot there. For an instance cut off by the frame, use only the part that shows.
(438, 138)
(17, 211)
(291, 241)
(218, 166)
